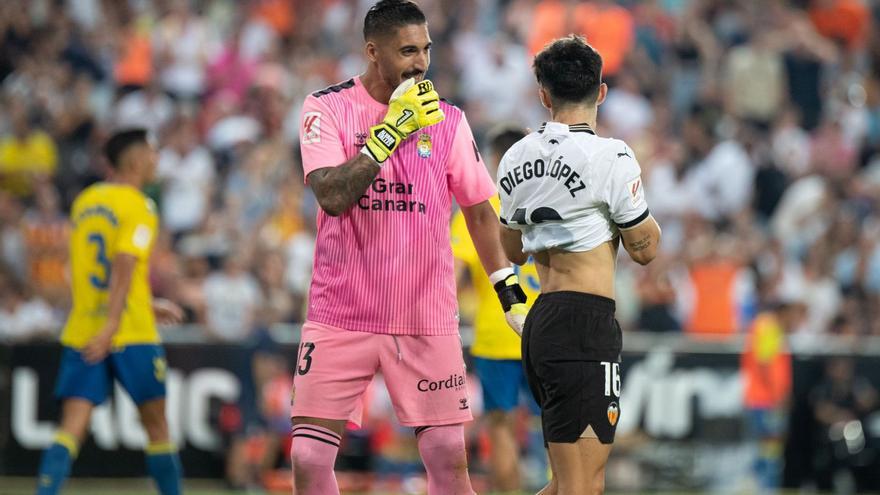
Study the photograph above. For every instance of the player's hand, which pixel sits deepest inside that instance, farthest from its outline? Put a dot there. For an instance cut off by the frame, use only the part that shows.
(513, 301)
(167, 313)
(412, 106)
(98, 347)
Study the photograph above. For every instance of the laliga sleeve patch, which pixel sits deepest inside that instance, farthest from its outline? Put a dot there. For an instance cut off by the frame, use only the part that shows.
(312, 127)
(142, 236)
(636, 191)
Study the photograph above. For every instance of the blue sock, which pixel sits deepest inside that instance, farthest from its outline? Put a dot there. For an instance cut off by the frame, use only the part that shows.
(163, 465)
(55, 465)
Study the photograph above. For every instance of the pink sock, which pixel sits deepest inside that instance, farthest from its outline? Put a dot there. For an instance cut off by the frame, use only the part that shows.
(313, 454)
(443, 453)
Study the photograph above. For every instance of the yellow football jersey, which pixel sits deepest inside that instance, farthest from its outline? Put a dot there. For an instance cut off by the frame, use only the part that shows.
(493, 338)
(109, 219)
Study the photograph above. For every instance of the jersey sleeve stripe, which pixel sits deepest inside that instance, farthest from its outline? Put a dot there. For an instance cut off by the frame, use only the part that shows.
(632, 223)
(335, 88)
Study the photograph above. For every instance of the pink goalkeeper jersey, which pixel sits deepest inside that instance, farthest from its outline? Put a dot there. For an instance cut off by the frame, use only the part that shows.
(385, 265)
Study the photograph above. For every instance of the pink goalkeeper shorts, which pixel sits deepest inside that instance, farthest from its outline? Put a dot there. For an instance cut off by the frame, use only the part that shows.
(425, 375)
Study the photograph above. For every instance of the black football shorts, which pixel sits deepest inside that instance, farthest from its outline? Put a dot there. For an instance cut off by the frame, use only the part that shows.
(571, 347)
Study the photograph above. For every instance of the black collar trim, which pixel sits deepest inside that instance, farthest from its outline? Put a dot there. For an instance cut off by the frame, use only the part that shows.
(582, 127)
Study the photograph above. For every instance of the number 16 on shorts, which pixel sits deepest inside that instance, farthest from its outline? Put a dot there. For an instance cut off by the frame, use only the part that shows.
(612, 378)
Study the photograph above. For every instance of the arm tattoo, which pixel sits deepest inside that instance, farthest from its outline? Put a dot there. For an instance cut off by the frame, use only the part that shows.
(337, 188)
(641, 244)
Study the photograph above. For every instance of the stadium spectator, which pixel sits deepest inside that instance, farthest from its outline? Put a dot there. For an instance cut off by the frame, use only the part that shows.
(186, 170)
(754, 78)
(12, 249)
(719, 284)
(27, 153)
(767, 375)
(134, 63)
(259, 423)
(843, 21)
(24, 317)
(147, 107)
(627, 111)
(232, 301)
(232, 70)
(189, 285)
(609, 28)
(184, 42)
(841, 403)
(45, 231)
(279, 305)
(657, 295)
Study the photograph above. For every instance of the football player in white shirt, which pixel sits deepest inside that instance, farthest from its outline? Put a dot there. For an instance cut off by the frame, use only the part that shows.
(568, 197)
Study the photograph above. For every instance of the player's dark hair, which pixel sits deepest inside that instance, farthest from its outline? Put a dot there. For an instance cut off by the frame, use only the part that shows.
(119, 142)
(570, 70)
(503, 137)
(388, 15)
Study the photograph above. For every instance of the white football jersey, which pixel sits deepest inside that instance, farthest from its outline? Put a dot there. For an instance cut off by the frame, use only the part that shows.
(566, 188)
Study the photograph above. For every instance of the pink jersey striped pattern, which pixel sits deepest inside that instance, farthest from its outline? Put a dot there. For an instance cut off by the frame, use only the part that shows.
(385, 265)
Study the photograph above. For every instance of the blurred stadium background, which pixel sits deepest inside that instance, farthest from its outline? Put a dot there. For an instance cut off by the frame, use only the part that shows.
(757, 125)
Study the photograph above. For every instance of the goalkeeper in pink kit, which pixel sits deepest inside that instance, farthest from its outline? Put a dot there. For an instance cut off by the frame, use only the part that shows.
(385, 158)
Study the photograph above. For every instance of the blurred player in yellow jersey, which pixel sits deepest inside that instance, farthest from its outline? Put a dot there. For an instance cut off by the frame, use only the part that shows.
(496, 349)
(111, 330)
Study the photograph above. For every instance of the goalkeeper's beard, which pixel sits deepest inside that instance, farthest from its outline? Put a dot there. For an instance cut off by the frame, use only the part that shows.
(417, 75)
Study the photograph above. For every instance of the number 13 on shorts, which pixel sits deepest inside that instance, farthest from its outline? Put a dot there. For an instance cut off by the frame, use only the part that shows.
(612, 378)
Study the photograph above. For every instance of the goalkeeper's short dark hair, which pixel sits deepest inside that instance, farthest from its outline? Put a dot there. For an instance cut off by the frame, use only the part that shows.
(570, 70)
(121, 141)
(391, 14)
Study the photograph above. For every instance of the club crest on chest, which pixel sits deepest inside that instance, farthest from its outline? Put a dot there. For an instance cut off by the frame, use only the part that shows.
(424, 145)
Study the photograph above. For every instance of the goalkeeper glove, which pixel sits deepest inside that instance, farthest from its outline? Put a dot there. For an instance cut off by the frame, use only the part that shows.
(412, 106)
(512, 297)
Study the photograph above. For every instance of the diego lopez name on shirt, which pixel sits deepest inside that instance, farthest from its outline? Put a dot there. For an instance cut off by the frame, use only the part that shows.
(537, 169)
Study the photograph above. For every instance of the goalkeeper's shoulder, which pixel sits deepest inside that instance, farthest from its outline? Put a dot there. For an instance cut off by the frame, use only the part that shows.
(331, 99)
(456, 120)
(337, 88)
(450, 108)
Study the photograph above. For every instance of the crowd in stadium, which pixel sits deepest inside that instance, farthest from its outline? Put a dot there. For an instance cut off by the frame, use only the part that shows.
(757, 125)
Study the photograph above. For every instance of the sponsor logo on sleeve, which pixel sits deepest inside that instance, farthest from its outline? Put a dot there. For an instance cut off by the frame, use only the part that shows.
(142, 236)
(312, 127)
(635, 190)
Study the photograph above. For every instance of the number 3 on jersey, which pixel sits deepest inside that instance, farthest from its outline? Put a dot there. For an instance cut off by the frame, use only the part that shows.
(102, 280)
(612, 378)
(305, 360)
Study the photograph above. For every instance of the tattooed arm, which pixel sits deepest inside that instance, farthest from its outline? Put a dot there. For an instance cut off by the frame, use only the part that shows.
(337, 188)
(641, 241)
